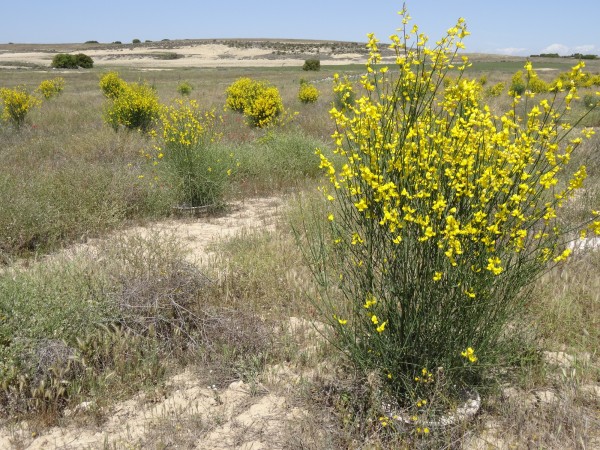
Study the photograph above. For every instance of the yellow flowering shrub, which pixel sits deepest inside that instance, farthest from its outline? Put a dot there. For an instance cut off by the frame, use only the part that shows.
(241, 93)
(189, 155)
(135, 106)
(17, 103)
(51, 88)
(496, 90)
(260, 103)
(265, 108)
(441, 212)
(308, 93)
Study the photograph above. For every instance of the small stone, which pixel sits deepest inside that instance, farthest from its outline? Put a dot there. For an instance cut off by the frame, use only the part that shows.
(510, 393)
(560, 359)
(593, 390)
(546, 397)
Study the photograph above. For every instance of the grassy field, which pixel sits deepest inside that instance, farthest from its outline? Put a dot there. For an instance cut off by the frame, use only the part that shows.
(101, 327)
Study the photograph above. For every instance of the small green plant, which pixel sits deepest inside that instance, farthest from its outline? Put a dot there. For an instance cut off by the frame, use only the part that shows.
(590, 100)
(51, 88)
(167, 56)
(184, 88)
(308, 93)
(312, 65)
(517, 86)
(84, 61)
(17, 103)
(136, 41)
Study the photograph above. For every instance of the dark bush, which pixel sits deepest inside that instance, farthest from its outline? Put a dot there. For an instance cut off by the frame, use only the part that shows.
(312, 64)
(84, 61)
(66, 61)
(136, 41)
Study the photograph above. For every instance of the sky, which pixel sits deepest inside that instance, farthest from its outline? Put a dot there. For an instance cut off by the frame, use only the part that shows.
(512, 27)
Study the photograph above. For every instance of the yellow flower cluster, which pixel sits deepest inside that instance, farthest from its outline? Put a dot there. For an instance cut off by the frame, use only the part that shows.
(257, 100)
(442, 209)
(183, 124)
(17, 103)
(443, 168)
(51, 88)
(112, 85)
(132, 105)
(308, 93)
(469, 354)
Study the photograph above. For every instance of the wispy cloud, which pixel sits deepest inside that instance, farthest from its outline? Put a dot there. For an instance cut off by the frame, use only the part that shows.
(565, 50)
(511, 50)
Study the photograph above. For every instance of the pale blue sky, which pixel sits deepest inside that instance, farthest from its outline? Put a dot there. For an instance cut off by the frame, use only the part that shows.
(519, 27)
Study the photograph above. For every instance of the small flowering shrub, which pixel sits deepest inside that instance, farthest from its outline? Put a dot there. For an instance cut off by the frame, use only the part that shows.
(17, 103)
(189, 154)
(308, 93)
(260, 103)
(441, 214)
(51, 88)
(132, 105)
(496, 90)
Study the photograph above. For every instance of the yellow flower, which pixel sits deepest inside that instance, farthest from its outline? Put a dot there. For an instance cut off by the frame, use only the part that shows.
(437, 276)
(340, 321)
(371, 301)
(469, 353)
(494, 265)
(381, 327)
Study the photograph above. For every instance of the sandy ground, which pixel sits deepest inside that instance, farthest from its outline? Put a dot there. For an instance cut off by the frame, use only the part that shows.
(192, 55)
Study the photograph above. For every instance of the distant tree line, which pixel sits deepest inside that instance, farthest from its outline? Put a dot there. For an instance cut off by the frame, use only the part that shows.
(556, 55)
